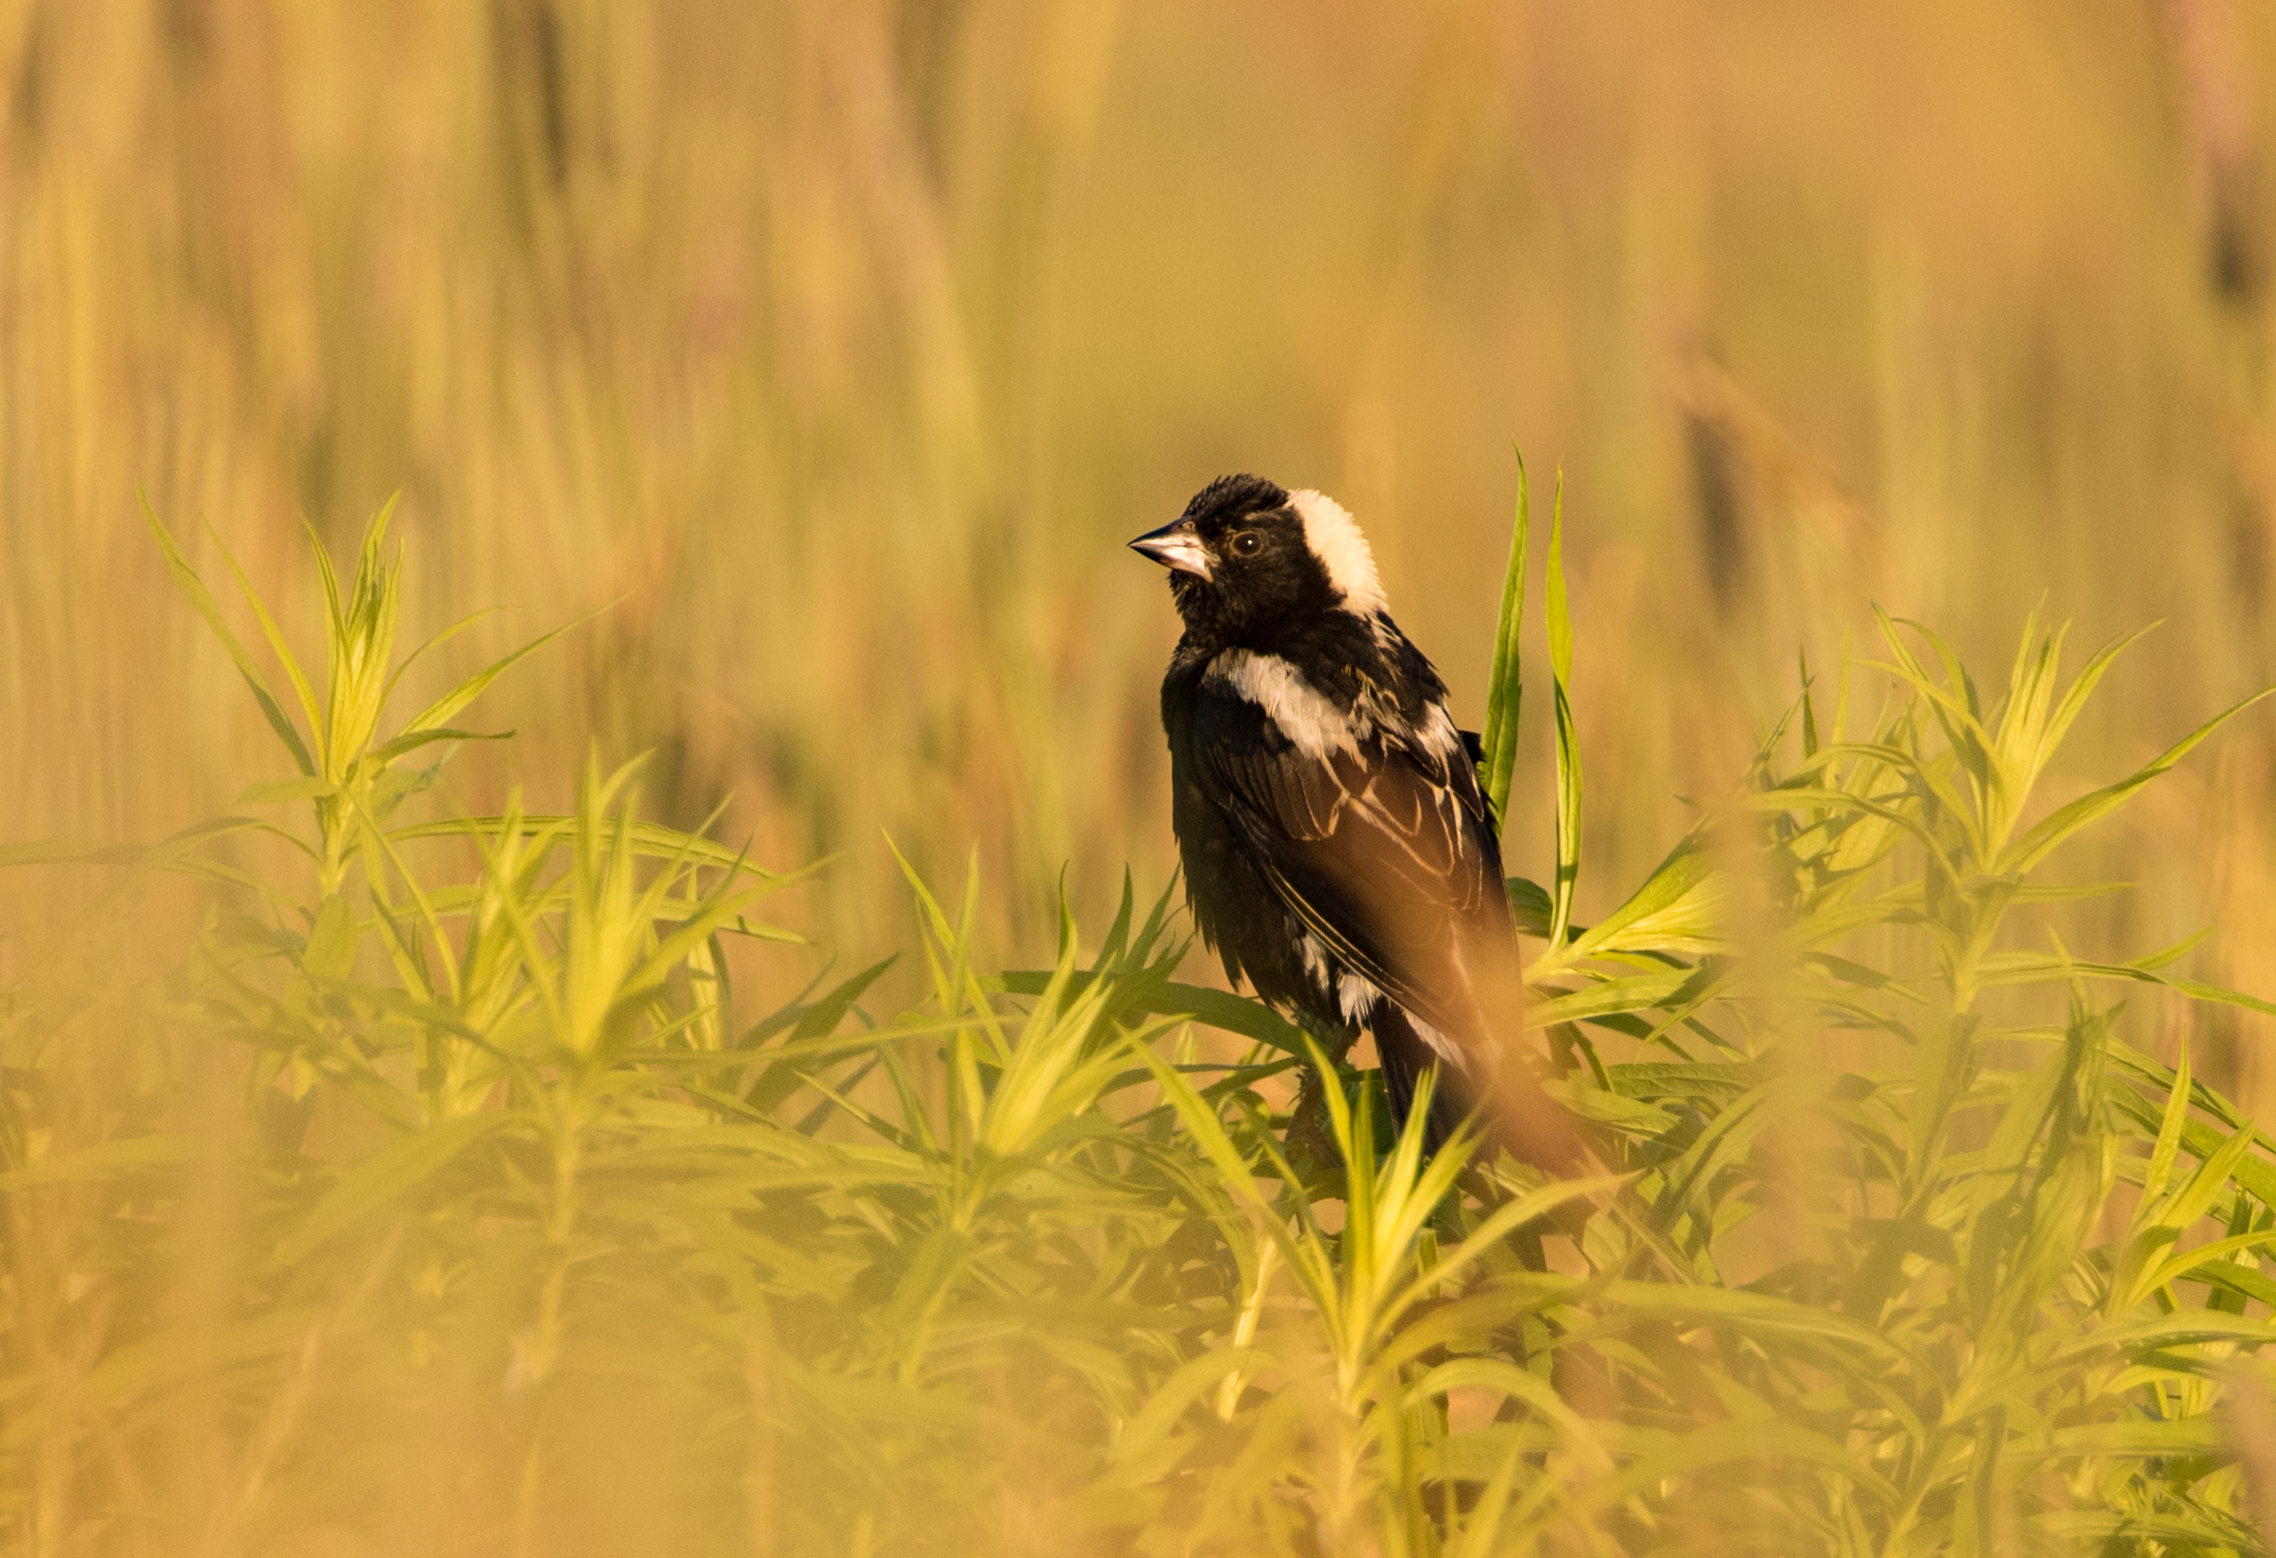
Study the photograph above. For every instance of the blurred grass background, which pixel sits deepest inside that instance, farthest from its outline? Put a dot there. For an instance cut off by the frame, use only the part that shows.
(840, 346)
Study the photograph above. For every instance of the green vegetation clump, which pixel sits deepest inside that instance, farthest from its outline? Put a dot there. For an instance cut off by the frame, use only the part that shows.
(430, 1192)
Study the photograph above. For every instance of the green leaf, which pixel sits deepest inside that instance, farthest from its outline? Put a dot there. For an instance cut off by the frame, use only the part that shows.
(2041, 840)
(410, 741)
(1630, 993)
(106, 1161)
(437, 712)
(1215, 1008)
(331, 952)
(202, 600)
(1681, 908)
(1505, 687)
(1568, 744)
(388, 1179)
(1530, 906)
(2169, 1132)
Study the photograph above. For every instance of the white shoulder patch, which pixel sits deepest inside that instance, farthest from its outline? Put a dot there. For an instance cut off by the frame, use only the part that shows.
(1334, 538)
(1304, 714)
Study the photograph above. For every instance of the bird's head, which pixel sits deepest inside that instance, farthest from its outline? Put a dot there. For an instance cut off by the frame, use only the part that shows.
(1247, 555)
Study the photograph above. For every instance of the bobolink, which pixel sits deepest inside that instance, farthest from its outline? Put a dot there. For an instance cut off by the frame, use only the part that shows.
(1338, 852)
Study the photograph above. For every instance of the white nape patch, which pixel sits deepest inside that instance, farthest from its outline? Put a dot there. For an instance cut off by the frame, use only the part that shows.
(1303, 713)
(1333, 535)
(1356, 997)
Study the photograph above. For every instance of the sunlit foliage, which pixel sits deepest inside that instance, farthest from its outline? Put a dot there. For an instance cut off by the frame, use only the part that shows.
(430, 1191)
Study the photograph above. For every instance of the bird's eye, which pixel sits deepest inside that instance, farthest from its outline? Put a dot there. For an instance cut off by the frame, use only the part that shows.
(1247, 544)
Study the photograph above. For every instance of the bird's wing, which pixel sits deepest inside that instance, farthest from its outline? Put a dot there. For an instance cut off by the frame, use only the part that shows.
(1384, 853)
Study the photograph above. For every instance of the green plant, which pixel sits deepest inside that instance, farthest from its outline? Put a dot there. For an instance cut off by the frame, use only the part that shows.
(432, 1190)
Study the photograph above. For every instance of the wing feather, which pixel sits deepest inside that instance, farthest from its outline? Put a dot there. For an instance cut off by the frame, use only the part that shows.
(1382, 852)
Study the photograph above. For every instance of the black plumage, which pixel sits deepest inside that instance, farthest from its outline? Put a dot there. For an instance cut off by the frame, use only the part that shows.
(1337, 848)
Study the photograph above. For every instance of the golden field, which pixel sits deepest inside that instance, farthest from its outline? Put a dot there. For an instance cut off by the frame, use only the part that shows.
(830, 351)
(816, 358)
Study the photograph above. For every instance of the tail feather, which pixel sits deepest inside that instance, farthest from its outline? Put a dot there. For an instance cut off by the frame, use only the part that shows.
(1506, 1100)
(1406, 1056)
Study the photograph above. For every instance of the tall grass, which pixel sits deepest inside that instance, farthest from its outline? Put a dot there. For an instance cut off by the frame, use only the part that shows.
(835, 345)
(380, 1177)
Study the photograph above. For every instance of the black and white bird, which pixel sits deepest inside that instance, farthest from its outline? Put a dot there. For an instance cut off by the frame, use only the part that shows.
(1337, 847)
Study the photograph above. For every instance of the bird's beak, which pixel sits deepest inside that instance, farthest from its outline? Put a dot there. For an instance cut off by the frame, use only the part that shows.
(1175, 546)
